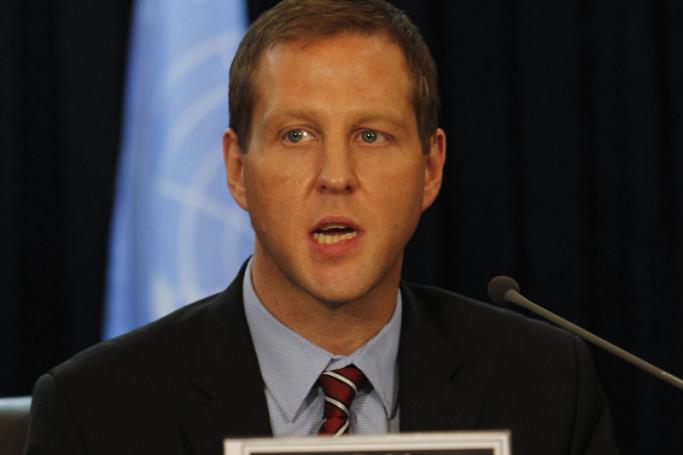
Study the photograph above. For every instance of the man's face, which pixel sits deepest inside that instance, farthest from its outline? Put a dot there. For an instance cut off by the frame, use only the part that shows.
(334, 178)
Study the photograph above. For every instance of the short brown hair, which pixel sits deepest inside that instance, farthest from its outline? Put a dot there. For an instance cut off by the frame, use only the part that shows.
(292, 20)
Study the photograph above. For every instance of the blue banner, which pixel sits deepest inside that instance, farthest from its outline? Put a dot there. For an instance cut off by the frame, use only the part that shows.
(176, 233)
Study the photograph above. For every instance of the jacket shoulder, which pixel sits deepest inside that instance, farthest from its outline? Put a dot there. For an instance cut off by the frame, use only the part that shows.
(162, 348)
(445, 308)
(529, 376)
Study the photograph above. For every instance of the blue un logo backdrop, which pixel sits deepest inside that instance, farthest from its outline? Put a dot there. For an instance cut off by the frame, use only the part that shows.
(176, 233)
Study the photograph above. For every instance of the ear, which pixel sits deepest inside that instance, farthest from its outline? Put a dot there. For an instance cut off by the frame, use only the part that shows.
(234, 167)
(434, 162)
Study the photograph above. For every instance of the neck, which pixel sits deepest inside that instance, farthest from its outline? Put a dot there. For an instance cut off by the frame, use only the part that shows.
(337, 327)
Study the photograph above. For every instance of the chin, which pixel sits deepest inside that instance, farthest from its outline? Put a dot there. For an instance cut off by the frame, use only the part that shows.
(350, 282)
(336, 297)
(338, 292)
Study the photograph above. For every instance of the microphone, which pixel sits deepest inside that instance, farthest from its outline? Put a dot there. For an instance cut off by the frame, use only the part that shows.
(505, 289)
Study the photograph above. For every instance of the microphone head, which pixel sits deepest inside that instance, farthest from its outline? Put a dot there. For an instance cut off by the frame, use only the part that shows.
(498, 286)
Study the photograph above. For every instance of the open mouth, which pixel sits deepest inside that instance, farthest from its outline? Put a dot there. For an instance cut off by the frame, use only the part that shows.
(333, 233)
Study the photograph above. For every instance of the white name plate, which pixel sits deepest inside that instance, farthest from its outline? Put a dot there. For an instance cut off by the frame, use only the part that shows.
(448, 443)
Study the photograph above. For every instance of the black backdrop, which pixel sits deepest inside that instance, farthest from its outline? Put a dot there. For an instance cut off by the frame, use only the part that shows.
(565, 167)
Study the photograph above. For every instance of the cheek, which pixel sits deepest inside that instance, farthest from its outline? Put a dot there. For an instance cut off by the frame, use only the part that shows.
(397, 190)
(398, 179)
(272, 193)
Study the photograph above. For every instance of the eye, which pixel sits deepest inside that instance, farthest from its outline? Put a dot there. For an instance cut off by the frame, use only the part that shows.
(297, 135)
(372, 136)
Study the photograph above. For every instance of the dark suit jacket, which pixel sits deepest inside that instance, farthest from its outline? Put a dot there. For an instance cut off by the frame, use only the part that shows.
(181, 384)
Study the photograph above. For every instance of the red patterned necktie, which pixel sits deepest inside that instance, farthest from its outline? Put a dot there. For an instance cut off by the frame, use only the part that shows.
(340, 387)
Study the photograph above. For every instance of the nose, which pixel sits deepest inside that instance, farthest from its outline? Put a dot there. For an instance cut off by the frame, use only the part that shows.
(337, 171)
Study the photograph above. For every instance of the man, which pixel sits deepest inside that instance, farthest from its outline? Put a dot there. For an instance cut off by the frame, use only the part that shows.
(334, 151)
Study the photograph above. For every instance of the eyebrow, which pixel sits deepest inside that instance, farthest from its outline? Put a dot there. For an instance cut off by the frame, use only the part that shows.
(394, 120)
(309, 114)
(298, 113)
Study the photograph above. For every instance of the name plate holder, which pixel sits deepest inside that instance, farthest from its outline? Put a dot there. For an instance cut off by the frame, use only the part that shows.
(442, 443)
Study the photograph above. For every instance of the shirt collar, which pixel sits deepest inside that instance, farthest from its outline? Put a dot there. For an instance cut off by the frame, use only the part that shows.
(290, 364)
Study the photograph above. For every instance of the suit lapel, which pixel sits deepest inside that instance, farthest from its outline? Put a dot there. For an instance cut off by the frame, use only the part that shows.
(435, 390)
(226, 377)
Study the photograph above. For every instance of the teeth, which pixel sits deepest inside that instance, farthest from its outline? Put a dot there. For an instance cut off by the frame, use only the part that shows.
(330, 239)
(332, 226)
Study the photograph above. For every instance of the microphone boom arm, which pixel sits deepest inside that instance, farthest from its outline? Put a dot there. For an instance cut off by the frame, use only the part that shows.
(513, 296)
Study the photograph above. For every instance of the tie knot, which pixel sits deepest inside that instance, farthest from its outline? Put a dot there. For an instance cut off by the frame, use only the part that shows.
(340, 387)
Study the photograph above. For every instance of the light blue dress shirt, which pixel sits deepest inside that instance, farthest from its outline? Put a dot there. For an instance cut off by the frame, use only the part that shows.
(290, 366)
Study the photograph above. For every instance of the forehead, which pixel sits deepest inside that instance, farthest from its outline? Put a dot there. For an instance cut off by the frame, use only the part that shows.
(347, 71)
